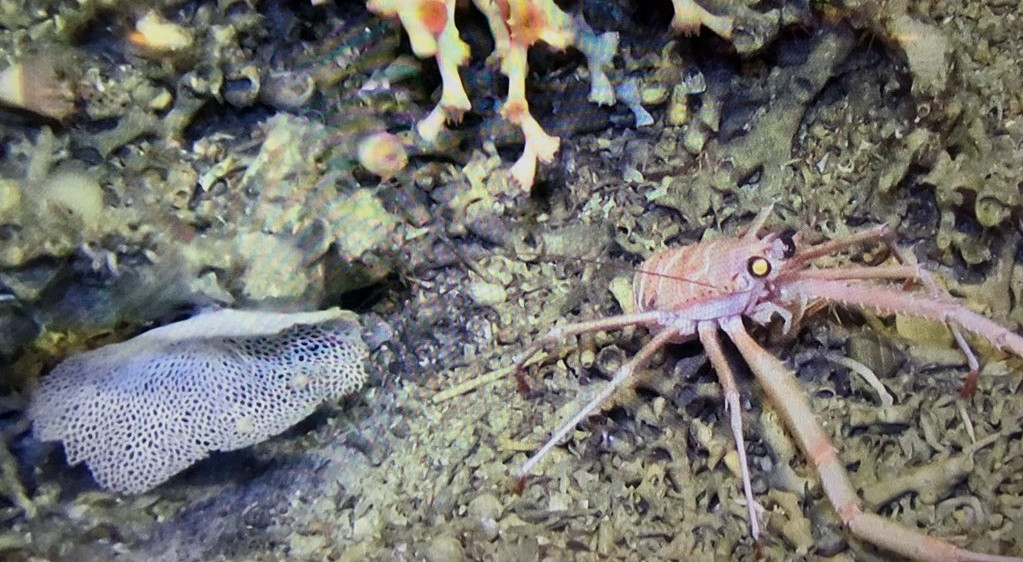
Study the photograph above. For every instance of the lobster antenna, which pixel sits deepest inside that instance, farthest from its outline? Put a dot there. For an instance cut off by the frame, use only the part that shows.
(638, 270)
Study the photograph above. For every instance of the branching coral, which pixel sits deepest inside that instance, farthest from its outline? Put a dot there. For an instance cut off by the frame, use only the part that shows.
(526, 23)
(430, 25)
(689, 16)
(599, 51)
(516, 25)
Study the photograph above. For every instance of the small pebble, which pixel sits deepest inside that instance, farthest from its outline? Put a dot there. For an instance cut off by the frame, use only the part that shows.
(694, 139)
(488, 530)
(155, 36)
(364, 528)
(383, 154)
(306, 546)
(161, 100)
(485, 506)
(444, 548)
(487, 294)
(654, 94)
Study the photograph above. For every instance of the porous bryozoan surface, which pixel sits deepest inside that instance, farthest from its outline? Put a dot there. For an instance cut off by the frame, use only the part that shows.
(141, 411)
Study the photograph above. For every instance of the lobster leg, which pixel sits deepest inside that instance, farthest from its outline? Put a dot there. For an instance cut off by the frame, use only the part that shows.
(790, 399)
(712, 344)
(621, 378)
(884, 301)
(561, 332)
(904, 271)
(880, 272)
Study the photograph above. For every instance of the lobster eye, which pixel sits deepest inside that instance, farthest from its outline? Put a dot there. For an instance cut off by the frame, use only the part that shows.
(789, 245)
(758, 266)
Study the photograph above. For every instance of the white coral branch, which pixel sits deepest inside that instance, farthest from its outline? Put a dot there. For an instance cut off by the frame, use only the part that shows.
(689, 16)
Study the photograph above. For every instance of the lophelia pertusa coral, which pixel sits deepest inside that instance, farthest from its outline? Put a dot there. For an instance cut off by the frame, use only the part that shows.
(430, 25)
(138, 412)
(689, 16)
(516, 25)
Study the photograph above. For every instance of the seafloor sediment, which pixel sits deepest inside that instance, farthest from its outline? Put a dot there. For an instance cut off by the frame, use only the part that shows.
(225, 172)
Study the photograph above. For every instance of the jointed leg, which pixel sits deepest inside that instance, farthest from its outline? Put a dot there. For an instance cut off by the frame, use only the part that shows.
(561, 332)
(895, 273)
(903, 271)
(874, 234)
(623, 376)
(712, 344)
(938, 293)
(790, 399)
(758, 222)
(886, 301)
(861, 272)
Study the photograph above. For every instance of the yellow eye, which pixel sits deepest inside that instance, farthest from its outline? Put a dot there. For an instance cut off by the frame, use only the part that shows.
(758, 266)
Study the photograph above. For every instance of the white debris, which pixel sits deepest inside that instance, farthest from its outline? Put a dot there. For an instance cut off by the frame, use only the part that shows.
(628, 93)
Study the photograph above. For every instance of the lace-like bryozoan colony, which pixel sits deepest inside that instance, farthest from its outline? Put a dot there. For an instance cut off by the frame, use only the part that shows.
(139, 412)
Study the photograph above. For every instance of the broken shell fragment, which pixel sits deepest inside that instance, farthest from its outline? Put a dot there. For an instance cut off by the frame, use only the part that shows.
(154, 36)
(287, 90)
(610, 359)
(694, 81)
(36, 87)
(241, 89)
(628, 93)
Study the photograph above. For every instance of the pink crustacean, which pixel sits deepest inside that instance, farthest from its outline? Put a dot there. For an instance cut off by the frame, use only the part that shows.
(701, 290)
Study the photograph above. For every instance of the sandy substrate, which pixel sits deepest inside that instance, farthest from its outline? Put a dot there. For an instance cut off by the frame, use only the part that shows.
(842, 123)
